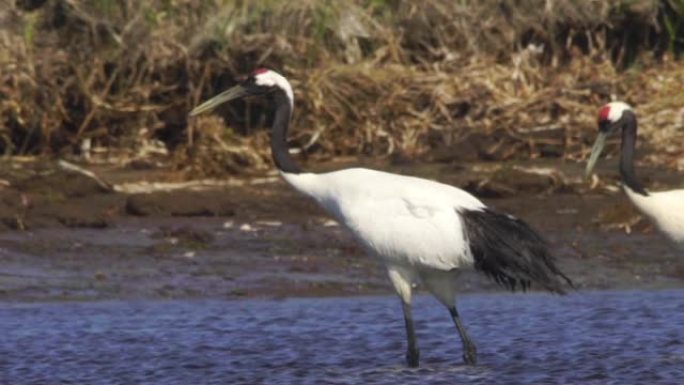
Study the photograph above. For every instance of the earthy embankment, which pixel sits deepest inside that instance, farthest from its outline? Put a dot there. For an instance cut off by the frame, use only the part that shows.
(66, 236)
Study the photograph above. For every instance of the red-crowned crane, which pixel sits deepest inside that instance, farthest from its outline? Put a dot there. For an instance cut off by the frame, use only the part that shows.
(423, 231)
(664, 208)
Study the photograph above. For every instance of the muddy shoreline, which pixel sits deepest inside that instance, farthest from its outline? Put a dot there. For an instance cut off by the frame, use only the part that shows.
(66, 238)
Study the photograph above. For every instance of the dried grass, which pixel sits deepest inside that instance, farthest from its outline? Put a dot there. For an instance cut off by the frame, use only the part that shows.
(373, 77)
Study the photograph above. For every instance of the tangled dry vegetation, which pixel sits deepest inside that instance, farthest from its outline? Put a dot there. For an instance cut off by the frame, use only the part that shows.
(115, 79)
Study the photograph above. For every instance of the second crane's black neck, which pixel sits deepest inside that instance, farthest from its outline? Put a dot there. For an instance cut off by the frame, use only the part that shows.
(629, 135)
(281, 122)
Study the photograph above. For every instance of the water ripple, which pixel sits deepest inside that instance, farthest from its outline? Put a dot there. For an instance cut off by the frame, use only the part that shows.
(585, 338)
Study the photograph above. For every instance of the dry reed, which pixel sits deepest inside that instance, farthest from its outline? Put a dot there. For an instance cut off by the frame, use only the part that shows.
(371, 77)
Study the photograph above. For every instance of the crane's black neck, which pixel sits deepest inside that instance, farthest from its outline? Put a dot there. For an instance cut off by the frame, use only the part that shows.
(281, 122)
(629, 135)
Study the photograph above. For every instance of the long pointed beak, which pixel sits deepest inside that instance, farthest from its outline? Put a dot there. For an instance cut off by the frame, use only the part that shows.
(230, 94)
(595, 152)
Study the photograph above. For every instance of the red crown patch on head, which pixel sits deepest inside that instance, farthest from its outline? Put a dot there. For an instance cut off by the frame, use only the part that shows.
(259, 71)
(603, 114)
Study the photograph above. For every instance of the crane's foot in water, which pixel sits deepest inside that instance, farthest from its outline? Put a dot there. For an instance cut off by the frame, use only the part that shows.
(412, 358)
(469, 354)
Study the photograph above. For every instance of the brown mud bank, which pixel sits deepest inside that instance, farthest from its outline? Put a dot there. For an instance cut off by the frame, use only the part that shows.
(141, 235)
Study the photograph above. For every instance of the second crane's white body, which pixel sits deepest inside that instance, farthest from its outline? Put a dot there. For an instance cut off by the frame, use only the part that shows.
(406, 221)
(665, 209)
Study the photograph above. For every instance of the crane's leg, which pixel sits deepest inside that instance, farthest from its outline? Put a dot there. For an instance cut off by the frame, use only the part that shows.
(402, 280)
(469, 350)
(412, 353)
(442, 284)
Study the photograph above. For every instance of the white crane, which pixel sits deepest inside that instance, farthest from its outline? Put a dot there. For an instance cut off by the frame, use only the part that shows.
(665, 208)
(423, 231)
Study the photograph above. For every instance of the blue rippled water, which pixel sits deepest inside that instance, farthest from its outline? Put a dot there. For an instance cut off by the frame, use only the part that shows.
(626, 337)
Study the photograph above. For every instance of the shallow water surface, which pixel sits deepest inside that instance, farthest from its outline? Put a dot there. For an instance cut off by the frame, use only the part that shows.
(628, 337)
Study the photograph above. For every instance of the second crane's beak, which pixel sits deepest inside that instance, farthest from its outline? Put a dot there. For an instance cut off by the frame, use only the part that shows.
(595, 152)
(230, 94)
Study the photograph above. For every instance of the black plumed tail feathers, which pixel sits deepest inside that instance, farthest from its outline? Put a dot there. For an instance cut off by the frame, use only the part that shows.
(506, 249)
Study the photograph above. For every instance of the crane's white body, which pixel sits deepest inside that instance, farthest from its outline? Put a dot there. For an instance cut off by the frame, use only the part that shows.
(411, 224)
(665, 209)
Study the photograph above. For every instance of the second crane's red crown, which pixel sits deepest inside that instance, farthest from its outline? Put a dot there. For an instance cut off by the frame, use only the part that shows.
(604, 112)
